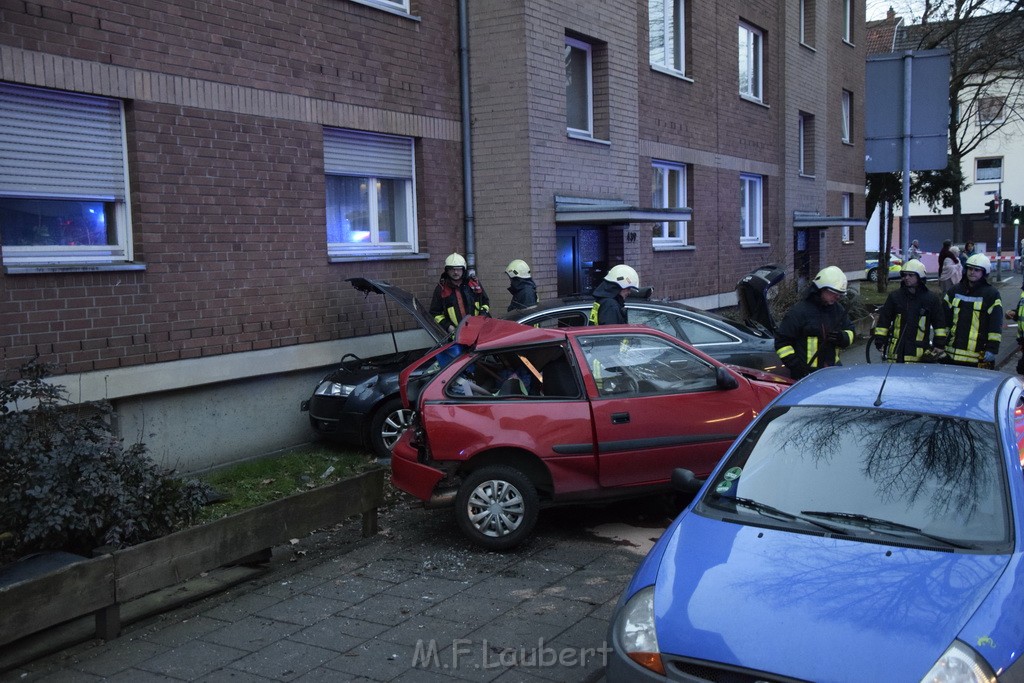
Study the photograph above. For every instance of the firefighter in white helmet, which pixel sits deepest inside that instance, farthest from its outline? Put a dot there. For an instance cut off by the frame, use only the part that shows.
(816, 328)
(457, 294)
(610, 296)
(974, 316)
(911, 320)
(520, 285)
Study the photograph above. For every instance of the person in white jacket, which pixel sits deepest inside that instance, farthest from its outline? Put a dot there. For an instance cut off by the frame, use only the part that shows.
(950, 270)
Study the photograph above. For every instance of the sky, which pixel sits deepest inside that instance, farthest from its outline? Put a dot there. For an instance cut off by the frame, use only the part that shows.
(910, 10)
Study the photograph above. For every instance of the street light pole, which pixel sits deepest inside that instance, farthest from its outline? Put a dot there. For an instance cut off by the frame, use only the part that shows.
(999, 233)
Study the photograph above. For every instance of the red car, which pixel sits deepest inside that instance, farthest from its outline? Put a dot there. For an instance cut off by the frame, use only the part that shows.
(512, 418)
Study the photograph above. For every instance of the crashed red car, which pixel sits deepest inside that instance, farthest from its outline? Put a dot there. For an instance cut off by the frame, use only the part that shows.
(511, 418)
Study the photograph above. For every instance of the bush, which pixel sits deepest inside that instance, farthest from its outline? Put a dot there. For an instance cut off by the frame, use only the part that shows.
(67, 483)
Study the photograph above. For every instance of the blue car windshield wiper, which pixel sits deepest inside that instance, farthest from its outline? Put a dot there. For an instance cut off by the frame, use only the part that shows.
(771, 511)
(884, 524)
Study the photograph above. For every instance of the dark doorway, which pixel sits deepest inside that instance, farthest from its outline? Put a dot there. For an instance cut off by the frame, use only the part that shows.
(581, 254)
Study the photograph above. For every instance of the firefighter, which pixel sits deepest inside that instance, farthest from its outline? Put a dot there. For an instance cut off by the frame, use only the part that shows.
(457, 294)
(912, 319)
(974, 316)
(520, 285)
(816, 328)
(1018, 317)
(610, 296)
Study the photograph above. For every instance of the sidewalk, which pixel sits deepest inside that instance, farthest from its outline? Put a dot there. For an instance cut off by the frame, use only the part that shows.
(1009, 292)
(414, 603)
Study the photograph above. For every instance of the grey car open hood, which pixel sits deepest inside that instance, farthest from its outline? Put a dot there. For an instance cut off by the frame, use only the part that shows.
(403, 299)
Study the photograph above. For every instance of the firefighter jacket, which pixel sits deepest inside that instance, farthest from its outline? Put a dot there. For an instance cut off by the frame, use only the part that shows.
(812, 334)
(523, 291)
(974, 316)
(451, 303)
(608, 308)
(911, 322)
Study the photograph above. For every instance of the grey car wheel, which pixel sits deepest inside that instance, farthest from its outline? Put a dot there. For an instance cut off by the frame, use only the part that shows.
(389, 423)
(873, 275)
(497, 507)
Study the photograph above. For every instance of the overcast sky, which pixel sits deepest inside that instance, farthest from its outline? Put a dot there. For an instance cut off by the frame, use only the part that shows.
(910, 10)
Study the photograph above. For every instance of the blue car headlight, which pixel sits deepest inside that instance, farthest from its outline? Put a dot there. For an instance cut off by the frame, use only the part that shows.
(960, 664)
(634, 628)
(328, 388)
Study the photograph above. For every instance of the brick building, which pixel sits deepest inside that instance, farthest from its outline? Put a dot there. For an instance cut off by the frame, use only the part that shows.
(185, 188)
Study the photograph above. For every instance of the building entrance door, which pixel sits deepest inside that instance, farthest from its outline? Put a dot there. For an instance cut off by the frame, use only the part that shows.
(581, 254)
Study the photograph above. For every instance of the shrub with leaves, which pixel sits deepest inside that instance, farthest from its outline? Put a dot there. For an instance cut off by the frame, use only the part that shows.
(68, 483)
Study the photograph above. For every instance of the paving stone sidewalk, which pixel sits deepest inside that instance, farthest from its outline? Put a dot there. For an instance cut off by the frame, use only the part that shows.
(414, 603)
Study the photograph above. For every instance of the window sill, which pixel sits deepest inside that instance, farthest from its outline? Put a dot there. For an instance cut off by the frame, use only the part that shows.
(755, 245)
(362, 258)
(753, 100)
(848, 43)
(390, 9)
(671, 72)
(675, 247)
(808, 176)
(583, 137)
(808, 46)
(42, 268)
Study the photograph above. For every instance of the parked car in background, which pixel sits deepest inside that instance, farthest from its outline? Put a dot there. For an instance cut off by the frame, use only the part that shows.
(871, 268)
(511, 418)
(868, 526)
(358, 402)
(750, 345)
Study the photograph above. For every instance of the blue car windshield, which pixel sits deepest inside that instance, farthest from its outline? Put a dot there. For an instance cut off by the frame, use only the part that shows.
(871, 474)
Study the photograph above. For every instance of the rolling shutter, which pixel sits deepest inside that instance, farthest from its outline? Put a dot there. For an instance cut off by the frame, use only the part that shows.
(365, 154)
(59, 144)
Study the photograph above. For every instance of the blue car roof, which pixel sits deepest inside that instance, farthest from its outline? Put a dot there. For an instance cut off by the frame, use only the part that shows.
(939, 389)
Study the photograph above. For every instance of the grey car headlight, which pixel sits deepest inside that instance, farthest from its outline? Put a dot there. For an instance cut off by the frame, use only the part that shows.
(635, 631)
(960, 664)
(335, 389)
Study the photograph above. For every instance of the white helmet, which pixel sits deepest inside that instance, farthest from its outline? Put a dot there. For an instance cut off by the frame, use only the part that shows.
(518, 268)
(831, 277)
(980, 261)
(455, 260)
(623, 276)
(914, 266)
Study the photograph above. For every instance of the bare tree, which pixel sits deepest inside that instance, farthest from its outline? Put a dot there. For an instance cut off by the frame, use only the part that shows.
(985, 39)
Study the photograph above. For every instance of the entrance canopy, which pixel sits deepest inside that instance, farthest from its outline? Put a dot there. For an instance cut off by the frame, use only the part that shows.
(588, 211)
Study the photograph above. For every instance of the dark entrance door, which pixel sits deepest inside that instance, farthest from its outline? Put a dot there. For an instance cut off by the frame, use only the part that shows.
(581, 254)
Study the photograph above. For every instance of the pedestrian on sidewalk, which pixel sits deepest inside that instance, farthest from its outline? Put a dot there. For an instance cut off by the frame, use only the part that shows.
(974, 316)
(911, 320)
(816, 328)
(950, 271)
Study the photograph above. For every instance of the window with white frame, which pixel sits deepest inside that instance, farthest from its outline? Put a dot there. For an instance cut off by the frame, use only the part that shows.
(669, 192)
(751, 212)
(848, 20)
(371, 194)
(847, 208)
(807, 24)
(847, 122)
(988, 170)
(400, 5)
(579, 87)
(805, 140)
(667, 21)
(990, 110)
(63, 178)
(750, 53)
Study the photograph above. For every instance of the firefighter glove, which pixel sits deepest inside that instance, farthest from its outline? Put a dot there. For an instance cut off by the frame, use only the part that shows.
(880, 343)
(839, 339)
(990, 357)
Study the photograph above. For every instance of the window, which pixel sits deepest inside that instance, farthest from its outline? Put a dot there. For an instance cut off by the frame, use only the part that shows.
(668, 34)
(579, 94)
(848, 21)
(990, 110)
(750, 209)
(644, 365)
(847, 108)
(750, 62)
(371, 206)
(63, 178)
(669, 190)
(805, 141)
(807, 9)
(400, 5)
(847, 208)
(989, 170)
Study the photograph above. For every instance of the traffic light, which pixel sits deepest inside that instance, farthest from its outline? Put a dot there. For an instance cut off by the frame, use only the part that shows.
(1007, 209)
(993, 209)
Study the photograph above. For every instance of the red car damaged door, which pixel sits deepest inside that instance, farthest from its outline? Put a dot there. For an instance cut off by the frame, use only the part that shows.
(658, 406)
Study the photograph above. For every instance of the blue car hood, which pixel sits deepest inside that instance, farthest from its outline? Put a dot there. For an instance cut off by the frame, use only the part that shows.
(810, 607)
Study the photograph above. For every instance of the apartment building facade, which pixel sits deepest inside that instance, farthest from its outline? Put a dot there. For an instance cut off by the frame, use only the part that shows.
(185, 189)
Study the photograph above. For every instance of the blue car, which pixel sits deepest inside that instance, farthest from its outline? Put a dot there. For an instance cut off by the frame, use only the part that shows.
(867, 526)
